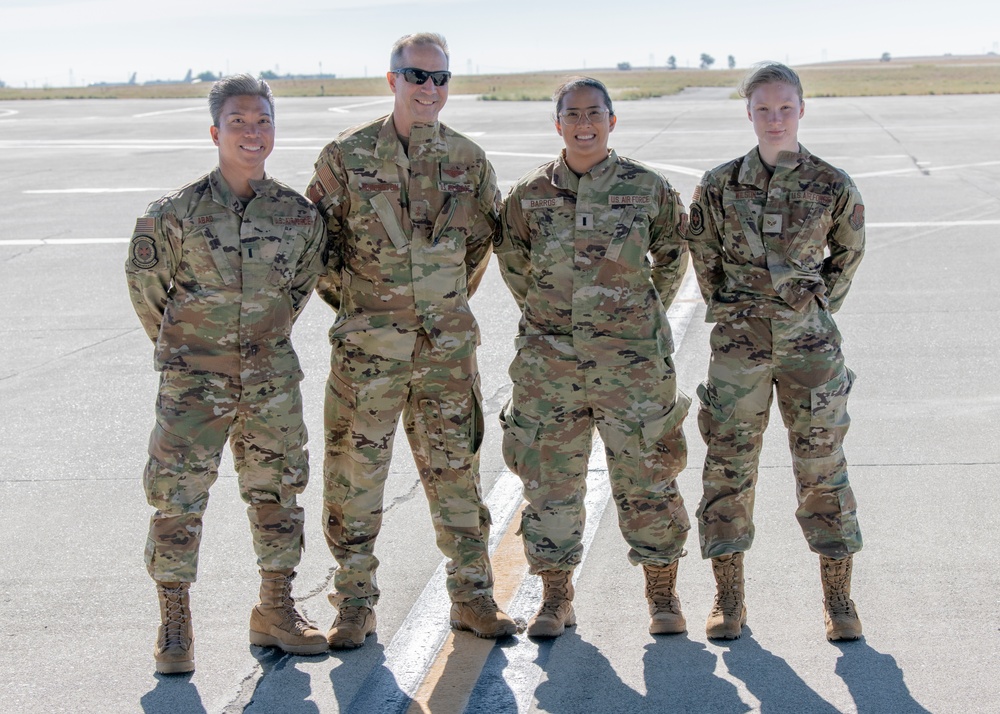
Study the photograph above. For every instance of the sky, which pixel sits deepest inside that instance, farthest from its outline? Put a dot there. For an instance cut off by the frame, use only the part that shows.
(77, 42)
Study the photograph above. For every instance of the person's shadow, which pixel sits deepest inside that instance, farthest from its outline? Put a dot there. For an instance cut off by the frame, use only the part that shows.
(363, 684)
(680, 677)
(172, 693)
(281, 686)
(874, 680)
(771, 680)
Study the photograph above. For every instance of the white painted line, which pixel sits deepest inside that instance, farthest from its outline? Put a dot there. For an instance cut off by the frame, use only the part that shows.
(104, 145)
(169, 111)
(926, 167)
(413, 649)
(95, 190)
(931, 224)
(517, 153)
(674, 168)
(517, 671)
(62, 241)
(7, 112)
(349, 107)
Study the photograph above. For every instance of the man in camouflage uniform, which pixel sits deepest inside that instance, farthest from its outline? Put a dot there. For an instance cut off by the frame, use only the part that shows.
(776, 237)
(217, 272)
(593, 350)
(410, 207)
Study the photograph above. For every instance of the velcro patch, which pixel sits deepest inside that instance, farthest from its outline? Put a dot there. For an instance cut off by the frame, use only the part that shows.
(325, 175)
(772, 223)
(455, 187)
(143, 252)
(144, 224)
(696, 224)
(292, 221)
(532, 203)
(636, 200)
(810, 196)
(745, 194)
(380, 187)
(857, 218)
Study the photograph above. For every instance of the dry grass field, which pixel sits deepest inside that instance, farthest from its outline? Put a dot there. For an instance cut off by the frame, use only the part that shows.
(979, 74)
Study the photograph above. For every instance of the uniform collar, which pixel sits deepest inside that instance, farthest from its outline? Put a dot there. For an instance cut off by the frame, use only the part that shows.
(426, 142)
(564, 177)
(753, 172)
(224, 196)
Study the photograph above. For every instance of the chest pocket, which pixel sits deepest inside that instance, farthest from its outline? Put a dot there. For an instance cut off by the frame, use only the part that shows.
(811, 221)
(628, 244)
(552, 234)
(204, 256)
(285, 253)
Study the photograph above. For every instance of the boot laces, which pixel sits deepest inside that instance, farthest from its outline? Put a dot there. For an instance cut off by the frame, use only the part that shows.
(660, 589)
(483, 605)
(351, 615)
(291, 619)
(174, 629)
(727, 596)
(837, 575)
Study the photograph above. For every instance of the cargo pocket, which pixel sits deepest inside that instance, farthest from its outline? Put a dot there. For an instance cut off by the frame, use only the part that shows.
(714, 411)
(295, 469)
(518, 437)
(828, 404)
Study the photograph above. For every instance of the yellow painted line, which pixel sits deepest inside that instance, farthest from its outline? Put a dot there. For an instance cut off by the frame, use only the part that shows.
(454, 673)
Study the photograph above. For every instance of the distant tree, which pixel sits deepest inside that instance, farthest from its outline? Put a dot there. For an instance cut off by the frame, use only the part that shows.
(671, 62)
(268, 74)
(707, 60)
(207, 77)
(624, 65)
(732, 62)
(885, 57)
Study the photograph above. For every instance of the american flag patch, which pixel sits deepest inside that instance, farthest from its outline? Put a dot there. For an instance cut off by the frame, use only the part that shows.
(146, 224)
(325, 174)
(697, 193)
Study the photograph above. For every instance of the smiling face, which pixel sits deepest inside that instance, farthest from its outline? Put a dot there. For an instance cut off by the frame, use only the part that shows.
(775, 110)
(418, 103)
(586, 141)
(245, 137)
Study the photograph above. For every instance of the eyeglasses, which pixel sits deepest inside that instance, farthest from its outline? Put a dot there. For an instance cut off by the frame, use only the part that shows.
(574, 116)
(419, 76)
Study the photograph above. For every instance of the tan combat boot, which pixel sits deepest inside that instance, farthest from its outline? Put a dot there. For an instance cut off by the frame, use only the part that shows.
(842, 622)
(274, 621)
(729, 613)
(482, 617)
(174, 651)
(665, 616)
(556, 612)
(353, 624)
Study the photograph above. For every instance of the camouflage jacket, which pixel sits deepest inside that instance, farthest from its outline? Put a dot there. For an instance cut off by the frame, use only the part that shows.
(217, 286)
(762, 243)
(575, 254)
(410, 236)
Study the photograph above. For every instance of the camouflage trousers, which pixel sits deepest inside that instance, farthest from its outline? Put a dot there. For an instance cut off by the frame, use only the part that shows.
(799, 357)
(442, 416)
(548, 427)
(195, 414)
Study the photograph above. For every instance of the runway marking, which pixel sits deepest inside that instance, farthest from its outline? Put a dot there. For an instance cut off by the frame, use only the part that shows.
(349, 107)
(930, 168)
(7, 112)
(62, 241)
(427, 663)
(168, 111)
(95, 190)
(931, 224)
(683, 170)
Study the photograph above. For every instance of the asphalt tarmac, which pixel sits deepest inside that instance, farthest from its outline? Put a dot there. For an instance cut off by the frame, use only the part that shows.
(78, 612)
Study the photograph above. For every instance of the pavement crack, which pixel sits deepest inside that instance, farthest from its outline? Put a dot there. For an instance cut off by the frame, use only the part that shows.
(883, 127)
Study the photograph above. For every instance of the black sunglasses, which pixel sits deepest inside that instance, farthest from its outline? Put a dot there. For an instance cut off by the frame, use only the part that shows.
(419, 76)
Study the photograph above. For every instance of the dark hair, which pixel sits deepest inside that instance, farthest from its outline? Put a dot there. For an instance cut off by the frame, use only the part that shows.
(417, 39)
(768, 73)
(238, 85)
(574, 83)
